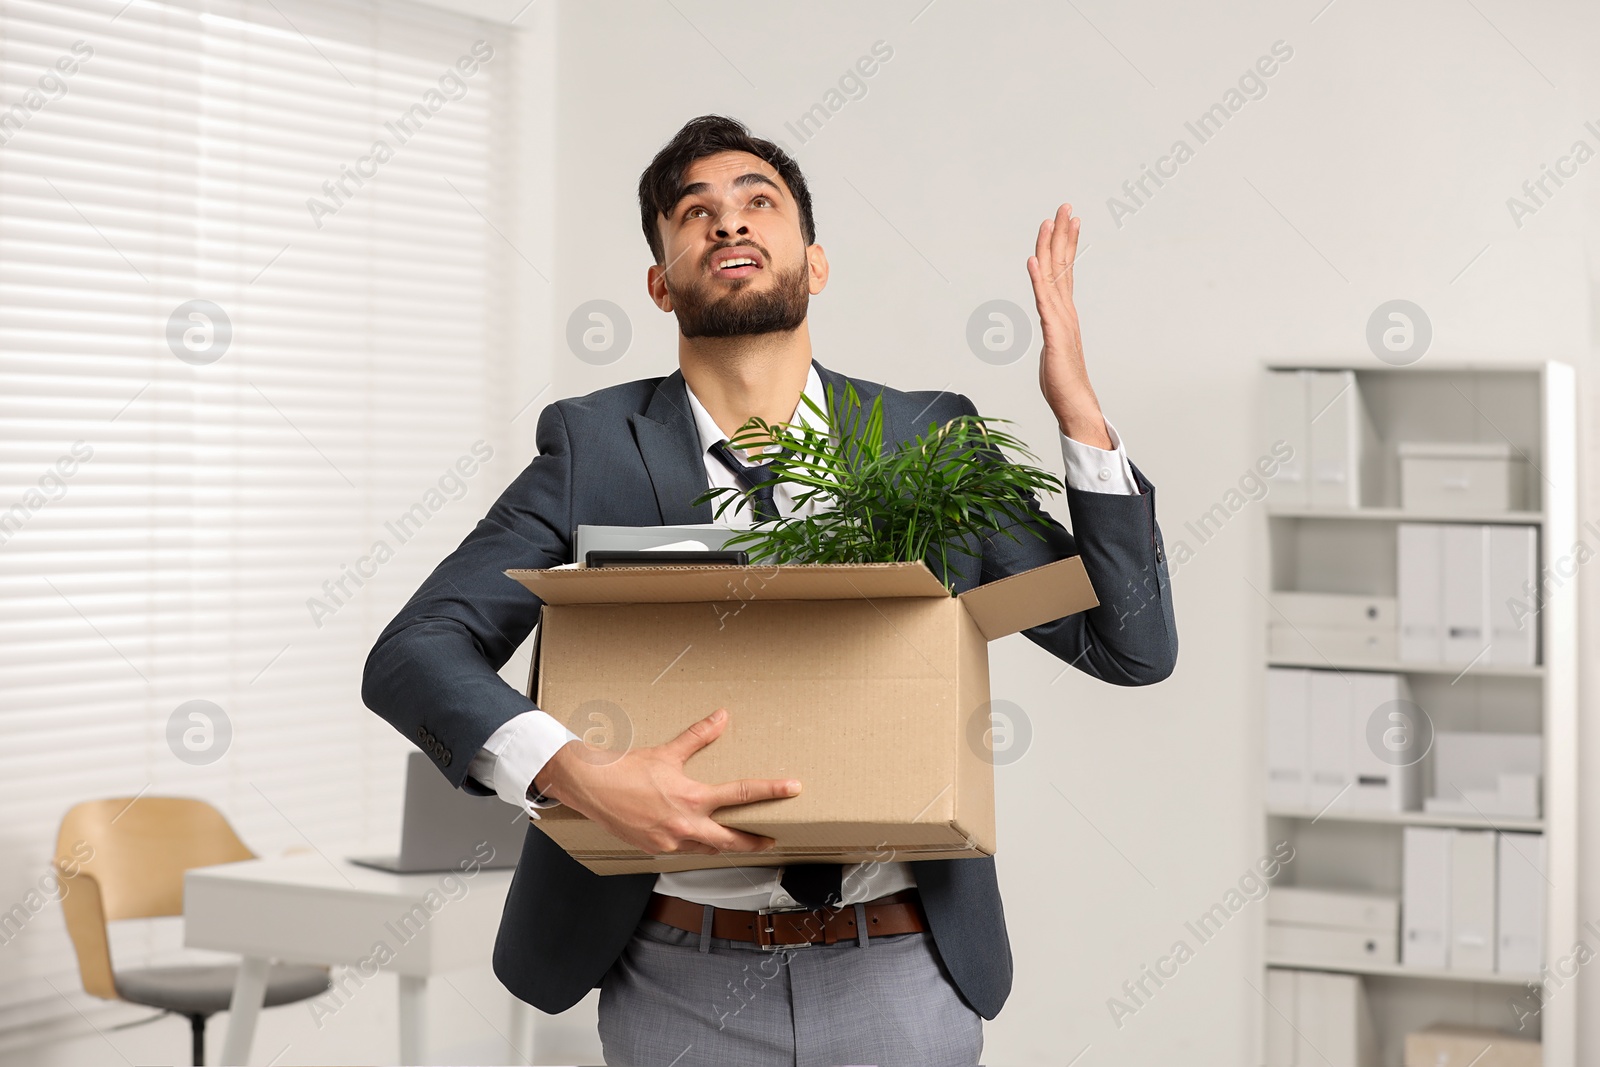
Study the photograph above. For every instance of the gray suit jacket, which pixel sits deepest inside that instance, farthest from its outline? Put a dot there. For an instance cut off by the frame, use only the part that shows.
(630, 455)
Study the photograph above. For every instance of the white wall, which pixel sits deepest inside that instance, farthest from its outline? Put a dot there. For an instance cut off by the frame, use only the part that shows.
(1377, 166)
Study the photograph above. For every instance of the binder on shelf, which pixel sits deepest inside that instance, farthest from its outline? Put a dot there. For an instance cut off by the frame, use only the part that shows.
(1288, 393)
(1320, 746)
(1288, 746)
(1425, 897)
(1419, 579)
(1328, 737)
(1334, 1021)
(1344, 443)
(1522, 872)
(1472, 904)
(1380, 783)
(1322, 416)
(1464, 604)
(1512, 577)
(1466, 593)
(1281, 1013)
(1318, 1020)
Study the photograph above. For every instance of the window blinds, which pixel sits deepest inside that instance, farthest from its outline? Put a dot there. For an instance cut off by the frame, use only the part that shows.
(250, 330)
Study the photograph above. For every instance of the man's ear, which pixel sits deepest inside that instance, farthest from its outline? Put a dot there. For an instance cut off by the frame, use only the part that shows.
(655, 282)
(817, 261)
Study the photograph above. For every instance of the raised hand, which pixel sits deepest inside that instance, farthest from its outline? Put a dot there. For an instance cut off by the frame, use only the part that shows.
(1063, 378)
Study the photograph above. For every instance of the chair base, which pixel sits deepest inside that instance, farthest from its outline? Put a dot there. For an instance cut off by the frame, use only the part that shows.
(197, 1031)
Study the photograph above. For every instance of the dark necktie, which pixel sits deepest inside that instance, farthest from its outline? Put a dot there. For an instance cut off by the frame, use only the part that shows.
(814, 885)
(750, 477)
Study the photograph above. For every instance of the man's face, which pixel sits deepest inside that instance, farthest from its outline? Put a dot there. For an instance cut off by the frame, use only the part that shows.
(735, 208)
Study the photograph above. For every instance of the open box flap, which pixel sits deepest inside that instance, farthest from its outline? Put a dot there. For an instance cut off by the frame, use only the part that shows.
(713, 583)
(1021, 601)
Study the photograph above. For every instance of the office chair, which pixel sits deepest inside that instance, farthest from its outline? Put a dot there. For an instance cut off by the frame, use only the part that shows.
(138, 849)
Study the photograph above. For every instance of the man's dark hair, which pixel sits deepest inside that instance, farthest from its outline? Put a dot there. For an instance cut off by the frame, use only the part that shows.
(707, 135)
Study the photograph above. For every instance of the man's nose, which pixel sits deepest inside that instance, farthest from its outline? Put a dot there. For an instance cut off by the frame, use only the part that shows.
(730, 223)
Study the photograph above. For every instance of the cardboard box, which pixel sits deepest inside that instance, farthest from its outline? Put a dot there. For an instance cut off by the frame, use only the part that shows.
(1463, 1046)
(868, 682)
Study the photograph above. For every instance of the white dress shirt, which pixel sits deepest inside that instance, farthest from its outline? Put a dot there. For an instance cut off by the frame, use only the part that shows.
(519, 749)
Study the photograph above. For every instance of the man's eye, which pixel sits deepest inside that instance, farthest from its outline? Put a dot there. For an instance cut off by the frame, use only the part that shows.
(763, 198)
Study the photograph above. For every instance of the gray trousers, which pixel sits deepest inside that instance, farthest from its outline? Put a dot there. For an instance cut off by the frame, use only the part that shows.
(678, 999)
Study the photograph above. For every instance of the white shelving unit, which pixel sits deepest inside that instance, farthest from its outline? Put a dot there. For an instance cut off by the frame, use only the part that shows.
(1432, 974)
(1411, 818)
(1400, 667)
(1531, 405)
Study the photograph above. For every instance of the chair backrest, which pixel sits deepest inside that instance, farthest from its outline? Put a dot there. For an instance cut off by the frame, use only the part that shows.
(124, 858)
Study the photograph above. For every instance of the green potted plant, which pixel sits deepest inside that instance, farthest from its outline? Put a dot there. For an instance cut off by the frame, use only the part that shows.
(922, 498)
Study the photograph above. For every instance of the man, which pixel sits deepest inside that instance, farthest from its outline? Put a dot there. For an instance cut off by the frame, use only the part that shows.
(684, 978)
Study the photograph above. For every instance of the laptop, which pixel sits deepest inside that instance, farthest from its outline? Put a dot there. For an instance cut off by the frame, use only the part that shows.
(709, 537)
(443, 828)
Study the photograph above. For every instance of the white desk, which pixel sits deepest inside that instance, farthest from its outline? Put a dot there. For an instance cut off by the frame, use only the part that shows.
(306, 909)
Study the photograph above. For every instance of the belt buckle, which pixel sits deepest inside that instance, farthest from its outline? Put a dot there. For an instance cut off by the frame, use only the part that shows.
(764, 930)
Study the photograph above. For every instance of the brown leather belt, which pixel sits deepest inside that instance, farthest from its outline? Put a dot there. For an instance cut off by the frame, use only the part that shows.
(899, 913)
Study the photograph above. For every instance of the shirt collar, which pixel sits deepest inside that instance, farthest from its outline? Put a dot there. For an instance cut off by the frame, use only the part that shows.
(711, 433)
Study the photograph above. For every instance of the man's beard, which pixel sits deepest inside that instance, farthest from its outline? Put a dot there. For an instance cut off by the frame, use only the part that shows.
(743, 310)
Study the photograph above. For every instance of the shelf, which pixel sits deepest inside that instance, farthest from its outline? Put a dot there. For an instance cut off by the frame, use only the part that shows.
(1395, 970)
(1387, 667)
(1517, 518)
(1414, 818)
(1364, 364)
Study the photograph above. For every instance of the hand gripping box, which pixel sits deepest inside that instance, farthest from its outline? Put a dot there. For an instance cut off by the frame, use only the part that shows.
(868, 682)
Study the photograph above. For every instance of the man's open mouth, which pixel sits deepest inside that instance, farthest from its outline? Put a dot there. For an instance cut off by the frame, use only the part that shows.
(735, 263)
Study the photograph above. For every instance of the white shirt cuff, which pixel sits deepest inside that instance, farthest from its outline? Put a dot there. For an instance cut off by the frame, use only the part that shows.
(1096, 470)
(515, 753)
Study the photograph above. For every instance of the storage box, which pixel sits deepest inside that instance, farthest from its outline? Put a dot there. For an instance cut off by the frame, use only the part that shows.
(867, 682)
(1332, 644)
(1318, 627)
(1330, 928)
(1483, 773)
(1293, 945)
(1457, 479)
(1291, 607)
(1335, 908)
(1463, 1046)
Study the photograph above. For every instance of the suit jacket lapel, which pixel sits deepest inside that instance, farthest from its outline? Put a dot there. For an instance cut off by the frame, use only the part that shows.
(669, 443)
